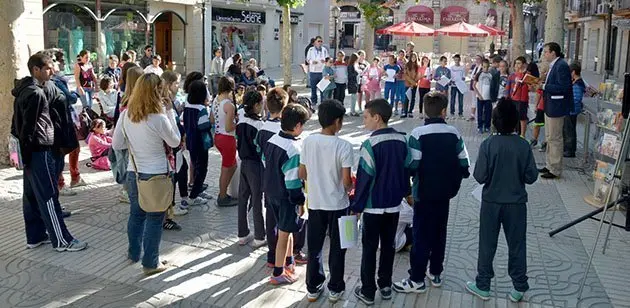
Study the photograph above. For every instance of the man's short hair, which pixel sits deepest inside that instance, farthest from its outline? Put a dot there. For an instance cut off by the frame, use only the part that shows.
(577, 68)
(39, 60)
(434, 103)
(505, 116)
(497, 59)
(157, 57)
(126, 57)
(485, 61)
(277, 99)
(148, 47)
(292, 115)
(443, 58)
(457, 56)
(379, 107)
(329, 111)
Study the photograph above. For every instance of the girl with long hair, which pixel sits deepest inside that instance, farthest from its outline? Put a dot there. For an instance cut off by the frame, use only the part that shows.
(410, 75)
(143, 129)
(353, 83)
(424, 82)
(85, 78)
(224, 116)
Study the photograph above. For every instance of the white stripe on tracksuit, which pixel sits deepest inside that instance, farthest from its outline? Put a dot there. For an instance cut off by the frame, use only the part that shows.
(50, 205)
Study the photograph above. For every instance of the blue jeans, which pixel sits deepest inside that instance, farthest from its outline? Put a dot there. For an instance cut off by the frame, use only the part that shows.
(144, 230)
(315, 79)
(86, 99)
(401, 92)
(390, 92)
(455, 94)
(484, 114)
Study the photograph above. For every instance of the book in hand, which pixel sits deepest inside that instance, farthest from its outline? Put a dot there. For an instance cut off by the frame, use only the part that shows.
(530, 79)
(15, 154)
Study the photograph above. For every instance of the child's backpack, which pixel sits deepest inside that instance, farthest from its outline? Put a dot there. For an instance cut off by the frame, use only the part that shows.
(306, 102)
(83, 126)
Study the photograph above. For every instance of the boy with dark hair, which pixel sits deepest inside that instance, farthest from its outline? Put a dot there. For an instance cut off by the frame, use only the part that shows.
(483, 91)
(285, 198)
(458, 72)
(442, 70)
(442, 165)
(570, 121)
(504, 165)
(325, 161)
(382, 182)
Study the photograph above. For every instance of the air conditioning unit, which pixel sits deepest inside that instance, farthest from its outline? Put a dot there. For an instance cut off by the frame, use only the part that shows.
(601, 9)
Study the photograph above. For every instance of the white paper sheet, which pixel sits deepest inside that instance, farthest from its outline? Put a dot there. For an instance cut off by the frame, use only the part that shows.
(461, 86)
(323, 84)
(444, 81)
(477, 192)
(348, 231)
(390, 75)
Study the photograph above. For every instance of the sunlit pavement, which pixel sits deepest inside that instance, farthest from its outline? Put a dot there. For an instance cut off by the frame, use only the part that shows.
(209, 268)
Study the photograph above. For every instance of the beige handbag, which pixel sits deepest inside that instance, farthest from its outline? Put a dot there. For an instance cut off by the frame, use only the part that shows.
(156, 193)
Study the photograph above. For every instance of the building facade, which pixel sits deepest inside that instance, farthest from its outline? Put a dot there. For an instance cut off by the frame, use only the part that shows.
(431, 13)
(587, 35)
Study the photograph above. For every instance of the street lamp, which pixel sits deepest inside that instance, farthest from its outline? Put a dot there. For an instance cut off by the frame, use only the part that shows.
(534, 14)
(609, 57)
(336, 12)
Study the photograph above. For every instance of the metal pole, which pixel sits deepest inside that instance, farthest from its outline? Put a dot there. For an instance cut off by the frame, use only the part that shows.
(203, 37)
(336, 43)
(609, 38)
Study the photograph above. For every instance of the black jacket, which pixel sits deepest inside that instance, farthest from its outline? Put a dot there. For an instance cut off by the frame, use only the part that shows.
(353, 84)
(32, 124)
(65, 135)
(494, 84)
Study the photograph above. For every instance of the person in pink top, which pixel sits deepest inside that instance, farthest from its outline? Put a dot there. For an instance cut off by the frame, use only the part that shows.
(100, 144)
(372, 80)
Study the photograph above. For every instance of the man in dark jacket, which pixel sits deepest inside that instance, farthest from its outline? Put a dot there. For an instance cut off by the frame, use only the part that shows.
(570, 121)
(33, 124)
(558, 98)
(496, 79)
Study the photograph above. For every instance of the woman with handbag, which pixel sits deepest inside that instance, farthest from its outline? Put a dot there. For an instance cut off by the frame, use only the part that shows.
(148, 123)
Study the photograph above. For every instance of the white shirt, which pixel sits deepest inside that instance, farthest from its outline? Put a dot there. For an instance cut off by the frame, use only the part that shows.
(549, 71)
(457, 73)
(227, 64)
(108, 101)
(316, 55)
(152, 69)
(324, 157)
(220, 117)
(149, 136)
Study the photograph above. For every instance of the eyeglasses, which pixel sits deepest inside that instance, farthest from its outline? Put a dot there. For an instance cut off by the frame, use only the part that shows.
(149, 50)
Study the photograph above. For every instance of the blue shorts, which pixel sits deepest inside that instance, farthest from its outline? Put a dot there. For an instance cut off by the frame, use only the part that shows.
(286, 215)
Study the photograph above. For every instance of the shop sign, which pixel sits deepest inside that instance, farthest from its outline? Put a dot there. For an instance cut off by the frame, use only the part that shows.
(350, 15)
(453, 14)
(294, 19)
(420, 14)
(242, 16)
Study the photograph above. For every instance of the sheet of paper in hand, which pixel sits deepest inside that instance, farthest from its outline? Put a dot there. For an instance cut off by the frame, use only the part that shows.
(348, 231)
(444, 81)
(323, 84)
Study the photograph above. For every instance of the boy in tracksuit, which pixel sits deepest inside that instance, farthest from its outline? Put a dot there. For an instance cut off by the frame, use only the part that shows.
(276, 100)
(443, 165)
(281, 157)
(382, 182)
(504, 165)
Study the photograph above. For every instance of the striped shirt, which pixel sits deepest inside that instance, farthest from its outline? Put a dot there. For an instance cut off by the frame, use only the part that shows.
(282, 161)
(197, 126)
(246, 131)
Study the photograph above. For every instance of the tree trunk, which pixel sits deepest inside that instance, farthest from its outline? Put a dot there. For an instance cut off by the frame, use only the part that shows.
(554, 23)
(286, 44)
(368, 41)
(518, 28)
(22, 36)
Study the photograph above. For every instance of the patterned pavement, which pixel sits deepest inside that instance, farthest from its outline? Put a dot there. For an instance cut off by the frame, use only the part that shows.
(212, 270)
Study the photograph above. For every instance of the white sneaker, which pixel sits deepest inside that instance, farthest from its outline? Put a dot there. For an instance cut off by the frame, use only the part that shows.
(198, 202)
(259, 243)
(245, 240)
(178, 211)
(79, 183)
(66, 192)
(123, 197)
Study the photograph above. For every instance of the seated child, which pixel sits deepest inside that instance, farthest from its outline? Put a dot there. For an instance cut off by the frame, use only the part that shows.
(107, 98)
(504, 165)
(100, 144)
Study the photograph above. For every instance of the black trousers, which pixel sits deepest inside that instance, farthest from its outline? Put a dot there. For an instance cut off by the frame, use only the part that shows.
(181, 179)
(199, 160)
(569, 134)
(339, 93)
(410, 104)
(320, 223)
(299, 238)
(378, 227)
(271, 230)
(421, 92)
(430, 219)
(250, 197)
(513, 218)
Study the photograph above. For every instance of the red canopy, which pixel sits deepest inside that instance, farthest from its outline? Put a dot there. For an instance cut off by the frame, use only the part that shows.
(492, 31)
(408, 29)
(387, 29)
(462, 29)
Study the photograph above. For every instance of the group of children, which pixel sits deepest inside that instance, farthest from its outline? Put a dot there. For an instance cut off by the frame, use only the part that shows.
(433, 156)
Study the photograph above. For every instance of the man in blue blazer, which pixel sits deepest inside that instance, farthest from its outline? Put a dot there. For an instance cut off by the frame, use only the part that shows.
(558, 96)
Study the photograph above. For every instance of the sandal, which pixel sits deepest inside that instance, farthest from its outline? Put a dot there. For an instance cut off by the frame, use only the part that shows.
(170, 225)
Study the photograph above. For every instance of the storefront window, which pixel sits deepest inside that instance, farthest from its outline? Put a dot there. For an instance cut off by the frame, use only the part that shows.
(72, 29)
(238, 38)
(125, 30)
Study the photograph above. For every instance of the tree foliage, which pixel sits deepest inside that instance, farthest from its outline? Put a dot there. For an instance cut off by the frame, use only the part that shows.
(291, 3)
(374, 11)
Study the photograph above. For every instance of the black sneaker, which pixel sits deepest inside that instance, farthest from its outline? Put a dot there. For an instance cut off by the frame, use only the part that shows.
(66, 214)
(227, 201)
(435, 280)
(543, 170)
(300, 258)
(203, 187)
(170, 225)
(386, 292)
(359, 294)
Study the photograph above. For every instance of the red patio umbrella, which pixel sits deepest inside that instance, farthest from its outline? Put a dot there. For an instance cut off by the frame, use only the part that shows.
(491, 31)
(412, 29)
(392, 27)
(462, 29)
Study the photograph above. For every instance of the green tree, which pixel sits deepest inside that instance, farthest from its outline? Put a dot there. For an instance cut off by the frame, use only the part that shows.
(375, 15)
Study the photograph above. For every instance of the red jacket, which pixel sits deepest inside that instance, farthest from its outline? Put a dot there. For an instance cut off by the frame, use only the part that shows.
(517, 91)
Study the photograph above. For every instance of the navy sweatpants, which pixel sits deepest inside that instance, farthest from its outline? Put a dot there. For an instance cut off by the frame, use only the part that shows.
(430, 219)
(40, 202)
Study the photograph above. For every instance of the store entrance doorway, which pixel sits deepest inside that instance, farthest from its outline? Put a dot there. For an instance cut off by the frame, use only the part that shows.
(349, 34)
(169, 41)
